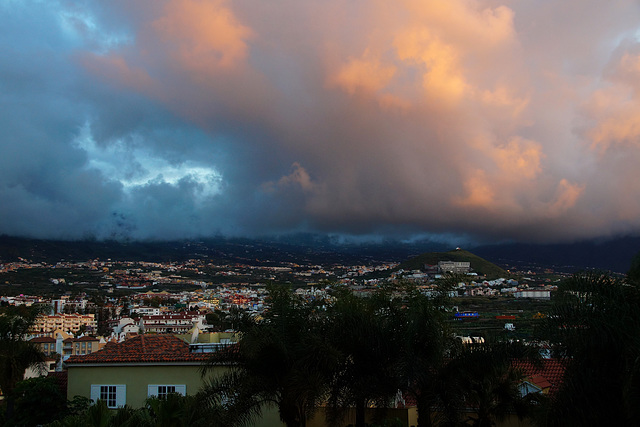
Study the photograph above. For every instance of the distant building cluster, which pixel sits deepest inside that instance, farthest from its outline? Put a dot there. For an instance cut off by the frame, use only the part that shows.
(73, 323)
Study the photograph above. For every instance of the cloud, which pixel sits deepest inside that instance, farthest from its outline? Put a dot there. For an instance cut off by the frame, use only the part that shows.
(185, 118)
(202, 36)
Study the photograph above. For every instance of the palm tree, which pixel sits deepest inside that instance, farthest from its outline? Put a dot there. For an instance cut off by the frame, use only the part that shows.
(594, 326)
(175, 410)
(426, 341)
(98, 415)
(16, 354)
(488, 381)
(281, 360)
(366, 336)
(126, 416)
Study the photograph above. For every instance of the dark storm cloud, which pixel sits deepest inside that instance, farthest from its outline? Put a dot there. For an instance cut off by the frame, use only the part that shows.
(185, 118)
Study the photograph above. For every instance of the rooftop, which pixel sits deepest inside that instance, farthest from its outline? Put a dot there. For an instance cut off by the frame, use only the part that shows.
(142, 348)
(548, 374)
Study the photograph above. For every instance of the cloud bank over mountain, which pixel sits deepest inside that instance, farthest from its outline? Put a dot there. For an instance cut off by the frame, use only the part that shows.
(187, 118)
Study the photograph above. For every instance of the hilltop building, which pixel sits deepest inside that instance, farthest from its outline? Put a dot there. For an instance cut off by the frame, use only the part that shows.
(455, 267)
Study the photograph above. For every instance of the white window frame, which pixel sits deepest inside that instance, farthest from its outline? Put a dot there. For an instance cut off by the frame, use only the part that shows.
(99, 391)
(161, 390)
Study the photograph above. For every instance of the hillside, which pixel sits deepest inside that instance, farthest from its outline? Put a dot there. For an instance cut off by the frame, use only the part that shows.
(478, 265)
(298, 249)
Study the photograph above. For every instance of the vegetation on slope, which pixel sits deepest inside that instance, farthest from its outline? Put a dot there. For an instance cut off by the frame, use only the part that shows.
(478, 265)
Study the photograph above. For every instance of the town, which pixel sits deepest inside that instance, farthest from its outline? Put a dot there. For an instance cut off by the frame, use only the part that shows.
(107, 298)
(102, 312)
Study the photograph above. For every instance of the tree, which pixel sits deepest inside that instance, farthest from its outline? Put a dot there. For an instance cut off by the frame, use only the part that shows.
(16, 354)
(280, 360)
(367, 339)
(633, 275)
(43, 393)
(487, 381)
(426, 342)
(177, 411)
(594, 326)
(442, 374)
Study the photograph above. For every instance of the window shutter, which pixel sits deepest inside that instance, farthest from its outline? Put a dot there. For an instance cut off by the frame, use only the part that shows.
(121, 395)
(152, 390)
(95, 392)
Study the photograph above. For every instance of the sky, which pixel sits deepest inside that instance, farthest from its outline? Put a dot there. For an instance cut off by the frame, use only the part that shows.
(489, 120)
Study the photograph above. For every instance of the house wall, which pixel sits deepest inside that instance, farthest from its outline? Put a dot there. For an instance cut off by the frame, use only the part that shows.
(136, 378)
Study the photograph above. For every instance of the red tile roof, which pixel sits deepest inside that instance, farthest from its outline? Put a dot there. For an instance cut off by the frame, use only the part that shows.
(549, 374)
(61, 380)
(142, 348)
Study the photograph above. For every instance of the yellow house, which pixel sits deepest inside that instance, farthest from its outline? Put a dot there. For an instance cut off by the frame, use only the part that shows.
(131, 371)
(141, 367)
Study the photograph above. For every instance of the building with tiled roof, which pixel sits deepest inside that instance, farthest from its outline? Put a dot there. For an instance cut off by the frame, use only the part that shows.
(144, 366)
(149, 348)
(131, 371)
(80, 346)
(47, 345)
(543, 377)
(69, 346)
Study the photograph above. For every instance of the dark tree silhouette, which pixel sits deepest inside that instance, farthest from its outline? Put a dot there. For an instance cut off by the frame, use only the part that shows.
(366, 333)
(16, 353)
(633, 276)
(280, 360)
(594, 325)
(487, 381)
(427, 341)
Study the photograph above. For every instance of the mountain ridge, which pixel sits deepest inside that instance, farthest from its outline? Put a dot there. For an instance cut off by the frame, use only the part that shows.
(609, 255)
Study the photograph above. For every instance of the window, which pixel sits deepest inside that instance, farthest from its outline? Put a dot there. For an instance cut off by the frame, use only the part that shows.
(114, 395)
(108, 394)
(162, 390)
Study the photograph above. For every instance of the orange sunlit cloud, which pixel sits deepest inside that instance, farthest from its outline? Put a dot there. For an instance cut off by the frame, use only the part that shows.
(566, 197)
(480, 192)
(520, 158)
(366, 73)
(203, 35)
